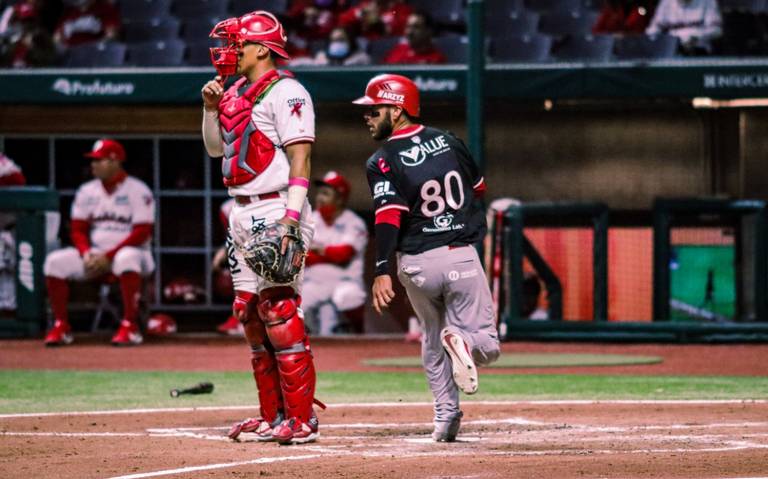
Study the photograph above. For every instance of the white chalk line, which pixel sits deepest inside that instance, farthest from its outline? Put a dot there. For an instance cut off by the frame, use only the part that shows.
(578, 402)
(208, 467)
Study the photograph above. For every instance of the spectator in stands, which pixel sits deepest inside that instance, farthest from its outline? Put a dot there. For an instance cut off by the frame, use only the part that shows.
(24, 42)
(376, 18)
(314, 19)
(695, 22)
(623, 16)
(334, 273)
(417, 47)
(85, 21)
(112, 221)
(342, 50)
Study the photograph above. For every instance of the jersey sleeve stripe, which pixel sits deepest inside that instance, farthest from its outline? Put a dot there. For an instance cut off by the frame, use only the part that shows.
(479, 184)
(300, 139)
(392, 207)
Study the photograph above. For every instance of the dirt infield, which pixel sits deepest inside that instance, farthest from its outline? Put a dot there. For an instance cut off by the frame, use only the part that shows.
(569, 439)
(503, 440)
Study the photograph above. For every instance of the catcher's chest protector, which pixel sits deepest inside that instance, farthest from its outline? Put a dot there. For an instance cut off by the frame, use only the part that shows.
(247, 151)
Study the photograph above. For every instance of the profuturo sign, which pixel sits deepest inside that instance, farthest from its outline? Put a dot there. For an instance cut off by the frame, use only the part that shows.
(96, 87)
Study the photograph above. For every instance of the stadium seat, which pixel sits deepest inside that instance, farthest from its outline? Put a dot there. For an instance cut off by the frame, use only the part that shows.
(517, 22)
(199, 53)
(502, 7)
(142, 10)
(168, 53)
(577, 22)
(525, 48)
(191, 9)
(443, 12)
(553, 5)
(196, 29)
(151, 30)
(240, 7)
(585, 48)
(379, 47)
(454, 47)
(92, 55)
(637, 47)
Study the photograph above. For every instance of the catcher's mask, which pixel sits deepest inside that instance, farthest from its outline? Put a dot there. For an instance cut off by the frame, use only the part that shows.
(255, 27)
(261, 253)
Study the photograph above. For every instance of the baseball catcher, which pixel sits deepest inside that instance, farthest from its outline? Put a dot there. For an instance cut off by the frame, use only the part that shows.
(262, 127)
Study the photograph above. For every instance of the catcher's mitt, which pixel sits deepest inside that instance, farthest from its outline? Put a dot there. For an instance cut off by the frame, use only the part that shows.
(262, 253)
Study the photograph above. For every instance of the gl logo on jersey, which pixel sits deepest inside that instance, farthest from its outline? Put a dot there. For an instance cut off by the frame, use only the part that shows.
(382, 188)
(416, 154)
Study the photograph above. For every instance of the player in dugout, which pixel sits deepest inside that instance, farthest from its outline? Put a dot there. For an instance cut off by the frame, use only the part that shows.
(112, 220)
(333, 292)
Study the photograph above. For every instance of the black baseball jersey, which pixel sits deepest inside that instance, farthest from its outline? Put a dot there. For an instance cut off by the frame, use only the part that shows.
(430, 176)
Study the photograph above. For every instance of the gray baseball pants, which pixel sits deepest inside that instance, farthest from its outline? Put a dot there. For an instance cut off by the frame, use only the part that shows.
(447, 287)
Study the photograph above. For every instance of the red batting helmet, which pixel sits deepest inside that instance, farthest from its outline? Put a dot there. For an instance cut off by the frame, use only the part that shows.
(255, 27)
(337, 182)
(106, 148)
(160, 324)
(388, 89)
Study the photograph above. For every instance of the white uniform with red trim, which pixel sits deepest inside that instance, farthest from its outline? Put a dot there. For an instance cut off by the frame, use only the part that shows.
(286, 116)
(327, 283)
(111, 218)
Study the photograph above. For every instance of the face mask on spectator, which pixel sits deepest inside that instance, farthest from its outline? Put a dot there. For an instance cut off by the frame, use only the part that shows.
(338, 49)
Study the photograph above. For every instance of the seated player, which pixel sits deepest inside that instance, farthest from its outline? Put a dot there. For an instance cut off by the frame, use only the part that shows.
(334, 265)
(112, 217)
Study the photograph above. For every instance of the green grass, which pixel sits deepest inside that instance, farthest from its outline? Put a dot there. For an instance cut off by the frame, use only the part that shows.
(40, 391)
(532, 360)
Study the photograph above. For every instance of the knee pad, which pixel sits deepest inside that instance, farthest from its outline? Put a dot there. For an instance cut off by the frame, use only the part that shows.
(279, 310)
(244, 306)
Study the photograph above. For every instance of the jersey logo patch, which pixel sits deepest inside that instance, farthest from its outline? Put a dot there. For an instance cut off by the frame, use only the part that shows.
(383, 166)
(382, 188)
(296, 104)
(416, 154)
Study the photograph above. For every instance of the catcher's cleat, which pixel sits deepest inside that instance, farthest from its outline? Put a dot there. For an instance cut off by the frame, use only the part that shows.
(447, 431)
(127, 334)
(231, 327)
(464, 369)
(60, 334)
(259, 427)
(296, 431)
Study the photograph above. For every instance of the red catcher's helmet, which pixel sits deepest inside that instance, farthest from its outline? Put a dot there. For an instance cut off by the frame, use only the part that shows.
(337, 182)
(160, 324)
(255, 27)
(388, 89)
(107, 149)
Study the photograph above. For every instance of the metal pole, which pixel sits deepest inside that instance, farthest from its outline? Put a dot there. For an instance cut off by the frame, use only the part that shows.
(475, 80)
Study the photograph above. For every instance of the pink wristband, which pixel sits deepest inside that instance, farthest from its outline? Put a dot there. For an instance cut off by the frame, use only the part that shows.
(293, 214)
(299, 181)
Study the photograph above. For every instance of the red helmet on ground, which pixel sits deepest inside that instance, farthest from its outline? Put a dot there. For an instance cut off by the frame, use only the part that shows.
(337, 182)
(388, 89)
(160, 324)
(106, 148)
(255, 27)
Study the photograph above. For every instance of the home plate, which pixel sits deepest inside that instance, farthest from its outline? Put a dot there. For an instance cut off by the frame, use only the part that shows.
(428, 440)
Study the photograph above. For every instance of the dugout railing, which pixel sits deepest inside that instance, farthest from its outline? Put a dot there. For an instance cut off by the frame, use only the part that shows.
(667, 213)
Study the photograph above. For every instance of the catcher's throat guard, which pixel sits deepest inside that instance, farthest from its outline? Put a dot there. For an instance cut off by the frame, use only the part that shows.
(262, 253)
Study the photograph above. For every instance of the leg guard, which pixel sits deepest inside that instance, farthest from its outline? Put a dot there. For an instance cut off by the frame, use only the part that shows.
(279, 309)
(267, 378)
(265, 372)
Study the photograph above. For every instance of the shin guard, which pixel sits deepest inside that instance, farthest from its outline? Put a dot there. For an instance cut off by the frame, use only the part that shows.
(279, 309)
(267, 378)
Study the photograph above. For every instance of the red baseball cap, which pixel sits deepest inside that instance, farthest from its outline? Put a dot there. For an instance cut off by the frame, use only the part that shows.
(106, 148)
(337, 182)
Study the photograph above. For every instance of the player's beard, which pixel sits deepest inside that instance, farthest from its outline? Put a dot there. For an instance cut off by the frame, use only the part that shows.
(384, 130)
